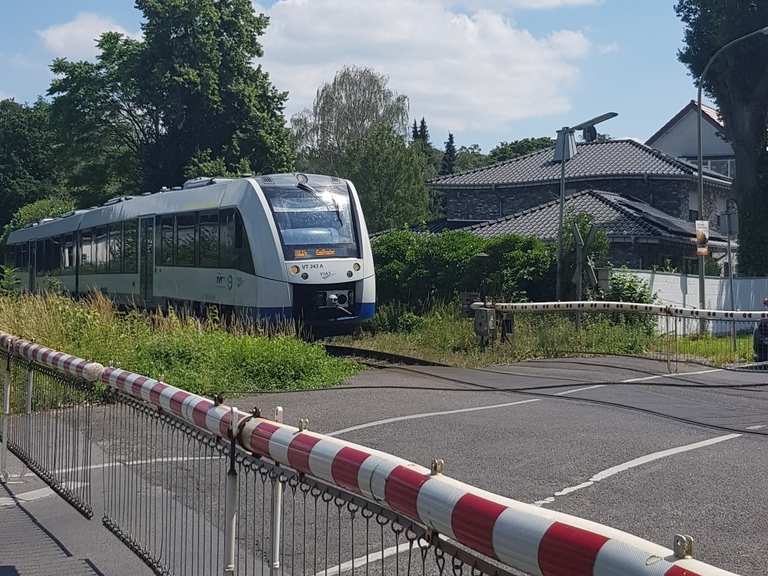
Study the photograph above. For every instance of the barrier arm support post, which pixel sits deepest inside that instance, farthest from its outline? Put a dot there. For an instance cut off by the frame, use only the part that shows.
(6, 414)
(277, 510)
(230, 526)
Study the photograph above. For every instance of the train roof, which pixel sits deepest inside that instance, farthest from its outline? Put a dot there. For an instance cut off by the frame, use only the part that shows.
(196, 195)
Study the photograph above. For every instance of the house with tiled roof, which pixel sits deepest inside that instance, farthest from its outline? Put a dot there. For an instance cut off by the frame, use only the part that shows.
(639, 235)
(679, 138)
(624, 167)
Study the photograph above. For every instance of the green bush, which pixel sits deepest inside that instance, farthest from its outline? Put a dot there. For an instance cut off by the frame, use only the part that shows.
(420, 270)
(626, 287)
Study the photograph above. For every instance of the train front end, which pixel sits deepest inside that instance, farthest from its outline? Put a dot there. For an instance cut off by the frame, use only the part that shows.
(325, 248)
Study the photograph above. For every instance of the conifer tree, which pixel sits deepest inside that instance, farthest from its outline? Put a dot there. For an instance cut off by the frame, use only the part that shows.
(449, 156)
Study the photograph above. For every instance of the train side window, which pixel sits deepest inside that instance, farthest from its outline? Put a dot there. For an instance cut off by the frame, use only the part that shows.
(67, 250)
(87, 261)
(227, 239)
(208, 240)
(115, 248)
(166, 241)
(100, 244)
(40, 267)
(243, 247)
(185, 239)
(53, 254)
(130, 242)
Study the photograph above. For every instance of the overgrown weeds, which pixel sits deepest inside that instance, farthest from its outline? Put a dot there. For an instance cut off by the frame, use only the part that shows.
(197, 355)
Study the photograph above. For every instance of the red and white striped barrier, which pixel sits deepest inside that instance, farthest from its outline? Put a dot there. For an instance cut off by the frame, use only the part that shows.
(535, 540)
(656, 309)
(66, 363)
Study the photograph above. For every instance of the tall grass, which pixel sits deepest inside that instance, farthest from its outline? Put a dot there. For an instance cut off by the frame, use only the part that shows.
(445, 335)
(199, 356)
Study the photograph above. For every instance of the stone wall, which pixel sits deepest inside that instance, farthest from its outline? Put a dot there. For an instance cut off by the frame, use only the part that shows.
(670, 195)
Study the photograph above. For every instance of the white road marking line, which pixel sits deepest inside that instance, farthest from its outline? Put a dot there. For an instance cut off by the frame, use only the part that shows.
(137, 463)
(372, 557)
(505, 404)
(428, 415)
(566, 392)
(756, 427)
(619, 468)
(673, 375)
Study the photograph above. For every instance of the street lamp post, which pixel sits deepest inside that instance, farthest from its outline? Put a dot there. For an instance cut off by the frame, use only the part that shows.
(565, 149)
(763, 31)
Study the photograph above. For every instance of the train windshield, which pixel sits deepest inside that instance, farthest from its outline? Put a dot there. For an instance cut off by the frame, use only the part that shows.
(314, 222)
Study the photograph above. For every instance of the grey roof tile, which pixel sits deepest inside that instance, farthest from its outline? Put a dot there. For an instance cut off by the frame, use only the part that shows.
(609, 158)
(613, 213)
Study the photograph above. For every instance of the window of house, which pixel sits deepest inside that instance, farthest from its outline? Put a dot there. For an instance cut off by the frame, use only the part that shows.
(130, 243)
(166, 241)
(719, 166)
(100, 249)
(185, 239)
(115, 248)
(208, 239)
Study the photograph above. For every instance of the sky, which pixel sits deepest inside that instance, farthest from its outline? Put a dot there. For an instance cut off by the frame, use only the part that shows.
(485, 70)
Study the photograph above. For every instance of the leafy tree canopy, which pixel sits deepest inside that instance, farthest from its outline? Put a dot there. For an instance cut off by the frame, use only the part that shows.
(738, 81)
(186, 90)
(36, 211)
(509, 150)
(28, 149)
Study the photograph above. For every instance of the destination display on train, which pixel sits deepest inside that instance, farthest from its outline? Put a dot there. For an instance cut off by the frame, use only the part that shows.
(325, 252)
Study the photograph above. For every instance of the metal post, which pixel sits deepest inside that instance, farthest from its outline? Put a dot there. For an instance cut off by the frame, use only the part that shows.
(28, 404)
(230, 508)
(702, 303)
(6, 413)
(730, 287)
(560, 239)
(277, 510)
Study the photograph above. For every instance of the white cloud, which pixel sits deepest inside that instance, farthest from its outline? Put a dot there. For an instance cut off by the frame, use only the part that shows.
(507, 5)
(77, 38)
(461, 70)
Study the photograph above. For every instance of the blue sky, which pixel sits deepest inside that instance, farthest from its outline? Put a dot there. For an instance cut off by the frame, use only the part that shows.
(488, 70)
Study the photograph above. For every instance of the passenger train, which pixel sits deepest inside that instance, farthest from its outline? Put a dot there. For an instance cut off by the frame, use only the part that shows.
(283, 246)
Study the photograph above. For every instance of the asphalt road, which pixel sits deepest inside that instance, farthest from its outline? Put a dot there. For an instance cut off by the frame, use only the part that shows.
(614, 440)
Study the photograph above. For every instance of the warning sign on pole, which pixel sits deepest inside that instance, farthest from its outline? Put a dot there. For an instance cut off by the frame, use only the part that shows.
(702, 237)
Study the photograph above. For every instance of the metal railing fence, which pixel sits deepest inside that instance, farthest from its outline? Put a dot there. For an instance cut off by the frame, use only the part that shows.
(194, 487)
(670, 334)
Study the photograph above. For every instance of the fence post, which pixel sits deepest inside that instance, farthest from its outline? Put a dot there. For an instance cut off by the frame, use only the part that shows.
(6, 414)
(669, 344)
(277, 510)
(230, 508)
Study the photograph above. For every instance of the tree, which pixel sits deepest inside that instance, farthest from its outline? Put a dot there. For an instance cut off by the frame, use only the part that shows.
(449, 156)
(186, 90)
(738, 81)
(389, 176)
(414, 132)
(36, 211)
(424, 133)
(509, 150)
(28, 148)
(343, 113)
(469, 158)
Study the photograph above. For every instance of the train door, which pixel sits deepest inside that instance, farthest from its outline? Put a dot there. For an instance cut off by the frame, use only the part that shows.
(147, 258)
(33, 267)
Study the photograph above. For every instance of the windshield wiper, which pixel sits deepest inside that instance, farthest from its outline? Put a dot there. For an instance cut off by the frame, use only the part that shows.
(335, 208)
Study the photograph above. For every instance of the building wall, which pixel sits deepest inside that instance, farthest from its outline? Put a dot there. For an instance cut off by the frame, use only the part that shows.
(675, 197)
(681, 141)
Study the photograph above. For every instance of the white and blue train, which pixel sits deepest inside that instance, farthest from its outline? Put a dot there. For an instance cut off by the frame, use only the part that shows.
(283, 246)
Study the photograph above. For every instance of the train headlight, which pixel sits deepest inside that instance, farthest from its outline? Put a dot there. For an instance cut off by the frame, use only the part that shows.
(356, 266)
(294, 269)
